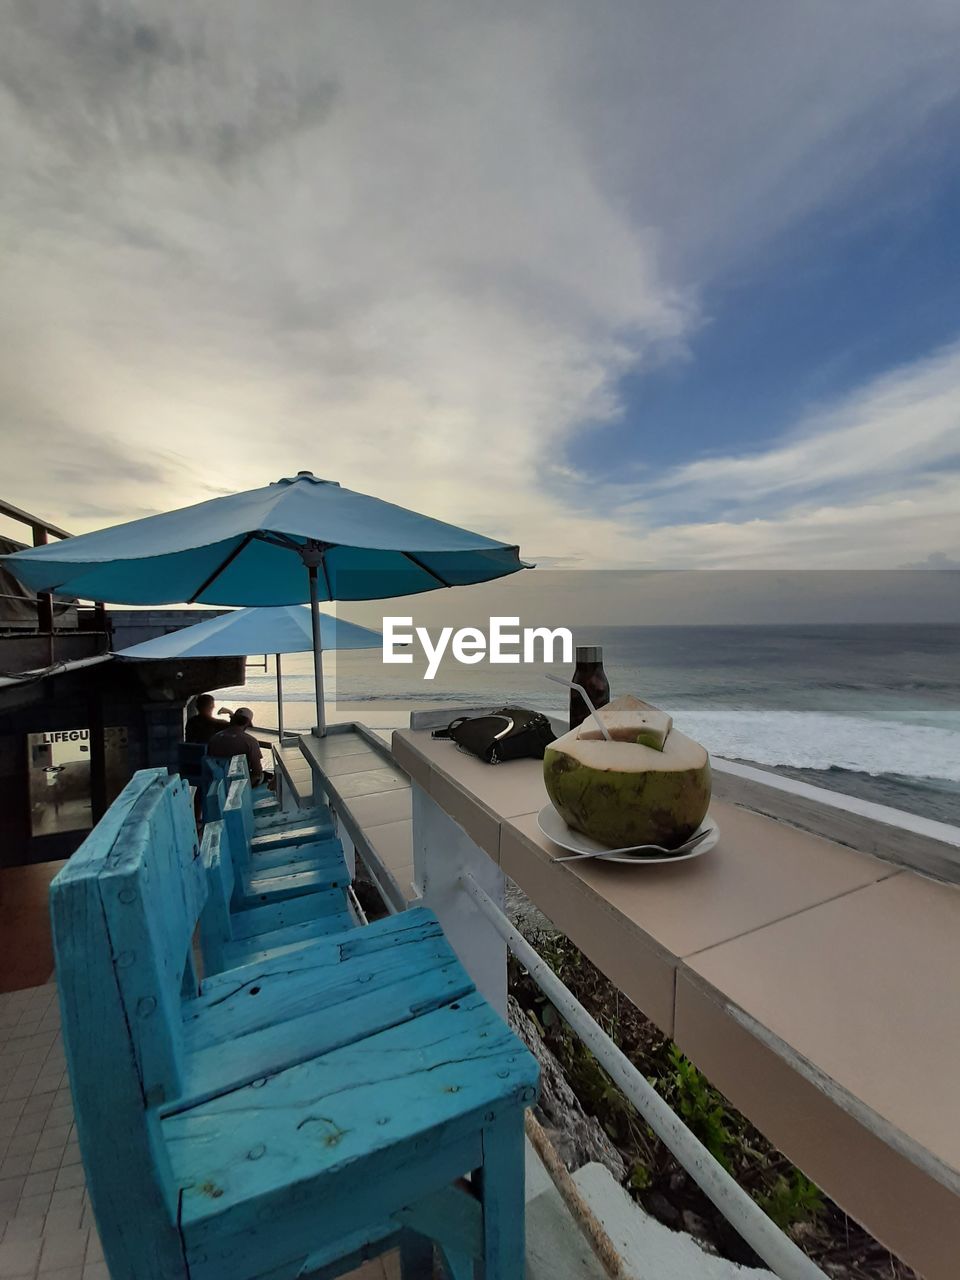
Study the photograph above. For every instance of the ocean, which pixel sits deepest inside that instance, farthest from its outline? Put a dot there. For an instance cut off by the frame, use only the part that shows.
(873, 711)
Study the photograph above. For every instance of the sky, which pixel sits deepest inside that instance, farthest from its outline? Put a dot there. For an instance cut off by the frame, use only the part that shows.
(634, 285)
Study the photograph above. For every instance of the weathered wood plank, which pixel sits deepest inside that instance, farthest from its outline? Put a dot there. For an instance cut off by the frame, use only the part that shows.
(290, 837)
(451, 1218)
(385, 938)
(276, 886)
(279, 915)
(319, 1218)
(303, 857)
(216, 930)
(229, 940)
(264, 996)
(133, 1197)
(317, 816)
(416, 1256)
(370, 1242)
(328, 965)
(151, 935)
(296, 1038)
(353, 1103)
(285, 942)
(501, 1180)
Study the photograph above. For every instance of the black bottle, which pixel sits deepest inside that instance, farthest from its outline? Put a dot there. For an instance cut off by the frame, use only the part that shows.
(591, 675)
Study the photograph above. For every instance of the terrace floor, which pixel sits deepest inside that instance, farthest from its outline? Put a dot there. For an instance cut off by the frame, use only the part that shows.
(25, 925)
(46, 1222)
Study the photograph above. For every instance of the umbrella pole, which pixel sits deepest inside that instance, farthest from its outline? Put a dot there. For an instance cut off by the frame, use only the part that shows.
(321, 727)
(279, 701)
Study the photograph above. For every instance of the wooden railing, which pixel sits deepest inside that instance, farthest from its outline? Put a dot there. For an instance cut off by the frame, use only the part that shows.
(42, 531)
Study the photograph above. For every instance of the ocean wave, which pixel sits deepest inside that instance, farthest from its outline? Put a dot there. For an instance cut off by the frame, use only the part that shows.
(815, 740)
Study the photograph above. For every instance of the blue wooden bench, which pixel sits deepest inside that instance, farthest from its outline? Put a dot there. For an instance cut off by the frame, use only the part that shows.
(278, 870)
(229, 938)
(301, 826)
(265, 801)
(294, 1115)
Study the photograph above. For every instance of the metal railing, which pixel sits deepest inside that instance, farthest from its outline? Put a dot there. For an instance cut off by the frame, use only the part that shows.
(43, 601)
(783, 1257)
(33, 522)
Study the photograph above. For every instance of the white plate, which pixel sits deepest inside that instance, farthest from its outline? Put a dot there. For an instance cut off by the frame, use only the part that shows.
(555, 829)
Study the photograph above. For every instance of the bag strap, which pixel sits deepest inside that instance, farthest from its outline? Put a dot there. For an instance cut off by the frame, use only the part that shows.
(448, 731)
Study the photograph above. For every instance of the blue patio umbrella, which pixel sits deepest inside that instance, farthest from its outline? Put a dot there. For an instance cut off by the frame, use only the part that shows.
(276, 630)
(252, 548)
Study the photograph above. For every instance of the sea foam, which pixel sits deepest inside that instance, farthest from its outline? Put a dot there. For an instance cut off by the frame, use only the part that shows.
(818, 740)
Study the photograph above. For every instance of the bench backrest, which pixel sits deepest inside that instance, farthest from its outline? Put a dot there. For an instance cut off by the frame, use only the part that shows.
(238, 770)
(228, 767)
(152, 888)
(123, 911)
(213, 798)
(216, 788)
(237, 815)
(215, 926)
(213, 767)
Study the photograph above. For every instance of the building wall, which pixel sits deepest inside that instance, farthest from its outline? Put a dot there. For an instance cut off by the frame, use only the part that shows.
(132, 626)
(146, 700)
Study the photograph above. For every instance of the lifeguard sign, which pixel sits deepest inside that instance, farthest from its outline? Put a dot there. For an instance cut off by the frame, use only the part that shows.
(66, 735)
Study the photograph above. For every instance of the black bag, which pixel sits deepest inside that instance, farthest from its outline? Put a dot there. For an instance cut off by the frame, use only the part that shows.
(512, 733)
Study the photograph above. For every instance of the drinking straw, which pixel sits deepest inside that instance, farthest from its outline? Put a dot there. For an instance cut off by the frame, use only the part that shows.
(571, 684)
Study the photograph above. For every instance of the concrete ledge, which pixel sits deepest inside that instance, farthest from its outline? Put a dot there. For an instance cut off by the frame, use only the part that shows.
(370, 796)
(907, 1209)
(812, 980)
(904, 839)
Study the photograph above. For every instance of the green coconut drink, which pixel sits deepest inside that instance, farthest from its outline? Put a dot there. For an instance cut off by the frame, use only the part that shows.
(629, 791)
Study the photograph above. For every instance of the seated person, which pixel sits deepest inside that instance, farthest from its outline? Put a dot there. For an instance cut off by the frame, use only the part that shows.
(203, 725)
(235, 740)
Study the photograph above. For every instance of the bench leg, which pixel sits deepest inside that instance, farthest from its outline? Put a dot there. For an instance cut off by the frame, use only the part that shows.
(501, 1182)
(457, 1266)
(416, 1256)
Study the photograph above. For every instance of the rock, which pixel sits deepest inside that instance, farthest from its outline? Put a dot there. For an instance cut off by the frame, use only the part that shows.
(694, 1225)
(577, 1138)
(657, 1204)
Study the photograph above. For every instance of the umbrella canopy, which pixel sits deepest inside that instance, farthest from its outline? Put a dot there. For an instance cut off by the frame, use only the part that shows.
(285, 629)
(252, 548)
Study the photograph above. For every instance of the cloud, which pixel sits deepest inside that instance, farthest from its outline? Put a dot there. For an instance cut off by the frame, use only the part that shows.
(415, 247)
(890, 529)
(900, 425)
(939, 561)
(868, 481)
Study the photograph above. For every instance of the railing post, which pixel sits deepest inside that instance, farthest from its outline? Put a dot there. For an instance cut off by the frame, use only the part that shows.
(442, 854)
(44, 599)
